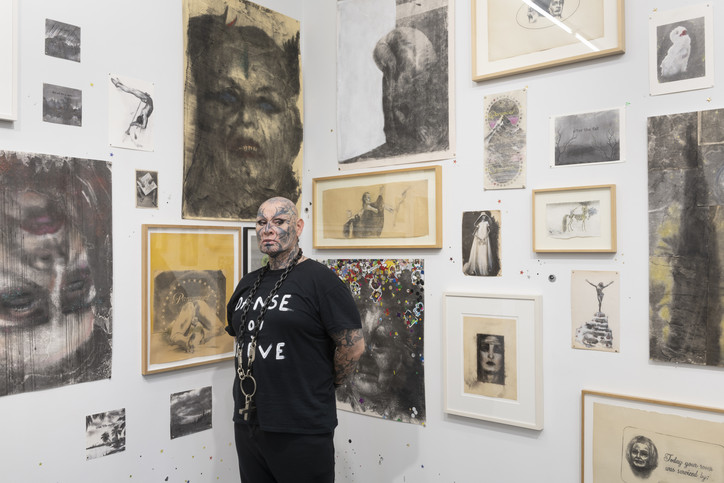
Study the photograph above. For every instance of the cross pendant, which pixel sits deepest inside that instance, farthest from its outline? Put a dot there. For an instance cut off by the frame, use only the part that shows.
(247, 409)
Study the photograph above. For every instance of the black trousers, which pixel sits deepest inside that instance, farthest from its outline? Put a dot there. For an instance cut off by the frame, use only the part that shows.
(267, 457)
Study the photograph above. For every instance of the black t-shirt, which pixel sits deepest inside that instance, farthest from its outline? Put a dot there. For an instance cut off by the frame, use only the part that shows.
(294, 364)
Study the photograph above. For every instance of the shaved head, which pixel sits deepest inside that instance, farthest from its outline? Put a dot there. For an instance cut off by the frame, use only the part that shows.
(278, 228)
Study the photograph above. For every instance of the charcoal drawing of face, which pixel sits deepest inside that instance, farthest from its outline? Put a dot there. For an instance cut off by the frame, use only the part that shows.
(642, 456)
(55, 271)
(389, 381)
(491, 358)
(248, 128)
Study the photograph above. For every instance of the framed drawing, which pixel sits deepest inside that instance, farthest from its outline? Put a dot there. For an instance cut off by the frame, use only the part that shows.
(387, 209)
(632, 439)
(253, 258)
(514, 36)
(189, 272)
(8, 60)
(493, 359)
(681, 49)
(578, 219)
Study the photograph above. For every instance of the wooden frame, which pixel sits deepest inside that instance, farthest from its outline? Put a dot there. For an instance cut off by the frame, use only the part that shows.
(189, 273)
(510, 37)
(505, 384)
(679, 440)
(576, 219)
(385, 209)
(9, 60)
(250, 252)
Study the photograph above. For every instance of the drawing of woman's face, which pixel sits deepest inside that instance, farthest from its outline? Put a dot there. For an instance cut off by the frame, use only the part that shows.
(248, 110)
(640, 455)
(46, 284)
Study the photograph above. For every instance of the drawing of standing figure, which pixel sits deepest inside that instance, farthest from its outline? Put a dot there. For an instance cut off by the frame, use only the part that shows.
(482, 254)
(599, 291)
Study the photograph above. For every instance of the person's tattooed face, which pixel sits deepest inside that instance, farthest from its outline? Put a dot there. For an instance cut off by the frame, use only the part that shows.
(277, 227)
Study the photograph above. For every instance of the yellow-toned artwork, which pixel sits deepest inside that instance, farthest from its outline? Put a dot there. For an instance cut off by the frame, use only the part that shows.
(190, 276)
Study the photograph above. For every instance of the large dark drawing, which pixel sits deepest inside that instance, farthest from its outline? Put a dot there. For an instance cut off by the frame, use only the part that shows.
(686, 222)
(56, 271)
(412, 59)
(390, 380)
(243, 130)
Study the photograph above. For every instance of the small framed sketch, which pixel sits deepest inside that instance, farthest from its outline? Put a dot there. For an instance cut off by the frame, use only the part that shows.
(189, 273)
(493, 359)
(146, 189)
(577, 219)
(588, 138)
(8, 60)
(514, 36)
(681, 49)
(386, 209)
(634, 439)
(253, 258)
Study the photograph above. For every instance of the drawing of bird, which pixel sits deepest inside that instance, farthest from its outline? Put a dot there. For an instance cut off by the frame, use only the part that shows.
(677, 57)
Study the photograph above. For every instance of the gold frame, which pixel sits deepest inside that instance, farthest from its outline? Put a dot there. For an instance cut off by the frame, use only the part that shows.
(611, 42)
(662, 410)
(559, 243)
(228, 259)
(347, 190)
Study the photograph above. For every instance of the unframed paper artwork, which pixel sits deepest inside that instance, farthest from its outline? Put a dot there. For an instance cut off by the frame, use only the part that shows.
(481, 237)
(686, 237)
(62, 105)
(62, 40)
(105, 433)
(390, 381)
(243, 109)
(56, 271)
(146, 189)
(130, 105)
(681, 49)
(190, 411)
(595, 324)
(588, 138)
(505, 140)
(394, 82)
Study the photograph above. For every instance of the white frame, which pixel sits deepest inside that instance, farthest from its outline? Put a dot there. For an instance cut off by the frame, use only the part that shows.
(9, 60)
(527, 410)
(659, 18)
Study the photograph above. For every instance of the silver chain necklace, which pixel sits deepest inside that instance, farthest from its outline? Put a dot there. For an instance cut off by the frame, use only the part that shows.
(246, 375)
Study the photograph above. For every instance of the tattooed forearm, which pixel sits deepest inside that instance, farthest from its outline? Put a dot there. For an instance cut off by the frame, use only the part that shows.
(350, 345)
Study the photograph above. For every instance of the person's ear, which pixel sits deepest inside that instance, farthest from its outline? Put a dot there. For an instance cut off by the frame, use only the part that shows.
(300, 227)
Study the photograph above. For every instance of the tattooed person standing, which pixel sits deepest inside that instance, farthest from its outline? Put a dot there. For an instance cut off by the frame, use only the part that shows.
(298, 336)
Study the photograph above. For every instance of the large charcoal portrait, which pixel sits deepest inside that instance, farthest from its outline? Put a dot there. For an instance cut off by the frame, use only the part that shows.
(243, 103)
(56, 271)
(394, 88)
(686, 230)
(390, 379)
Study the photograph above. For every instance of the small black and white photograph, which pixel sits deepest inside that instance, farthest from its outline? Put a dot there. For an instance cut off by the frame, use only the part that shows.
(62, 40)
(481, 243)
(588, 138)
(681, 49)
(190, 412)
(146, 189)
(130, 105)
(105, 433)
(62, 105)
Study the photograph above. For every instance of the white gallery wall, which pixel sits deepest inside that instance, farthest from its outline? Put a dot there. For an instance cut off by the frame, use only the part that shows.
(43, 433)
